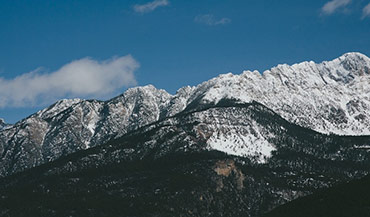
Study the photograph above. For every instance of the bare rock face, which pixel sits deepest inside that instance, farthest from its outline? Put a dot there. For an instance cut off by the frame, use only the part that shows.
(331, 97)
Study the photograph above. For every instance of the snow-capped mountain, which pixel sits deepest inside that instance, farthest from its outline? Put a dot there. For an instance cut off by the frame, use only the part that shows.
(3, 124)
(329, 97)
(72, 125)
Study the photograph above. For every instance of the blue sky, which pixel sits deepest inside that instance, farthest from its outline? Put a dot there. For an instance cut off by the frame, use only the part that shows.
(54, 49)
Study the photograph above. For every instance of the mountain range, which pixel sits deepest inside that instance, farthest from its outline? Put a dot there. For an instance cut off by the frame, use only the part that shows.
(236, 145)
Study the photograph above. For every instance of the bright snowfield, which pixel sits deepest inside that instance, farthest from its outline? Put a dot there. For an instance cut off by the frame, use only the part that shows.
(235, 132)
(247, 146)
(241, 141)
(329, 97)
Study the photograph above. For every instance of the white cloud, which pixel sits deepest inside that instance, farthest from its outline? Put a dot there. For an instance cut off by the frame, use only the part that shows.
(80, 78)
(150, 6)
(331, 6)
(366, 11)
(210, 20)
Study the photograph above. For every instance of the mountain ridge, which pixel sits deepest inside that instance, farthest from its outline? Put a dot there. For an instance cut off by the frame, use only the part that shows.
(307, 94)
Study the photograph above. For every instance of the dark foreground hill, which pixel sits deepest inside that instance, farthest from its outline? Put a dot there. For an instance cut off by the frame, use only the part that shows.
(345, 200)
(169, 168)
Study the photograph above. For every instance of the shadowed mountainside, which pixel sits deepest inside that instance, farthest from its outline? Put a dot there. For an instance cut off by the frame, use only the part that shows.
(345, 200)
(168, 168)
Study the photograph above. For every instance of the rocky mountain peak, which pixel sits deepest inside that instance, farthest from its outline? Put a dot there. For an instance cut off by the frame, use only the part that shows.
(146, 90)
(4, 125)
(346, 68)
(143, 96)
(57, 107)
(355, 58)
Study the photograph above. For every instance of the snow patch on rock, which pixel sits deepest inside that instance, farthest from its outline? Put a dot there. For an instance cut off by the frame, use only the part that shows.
(241, 145)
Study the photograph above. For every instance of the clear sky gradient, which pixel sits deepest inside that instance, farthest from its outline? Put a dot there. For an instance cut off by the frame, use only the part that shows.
(175, 42)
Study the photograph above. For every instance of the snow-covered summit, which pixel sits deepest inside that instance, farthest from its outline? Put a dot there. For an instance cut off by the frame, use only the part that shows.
(346, 67)
(329, 97)
(57, 107)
